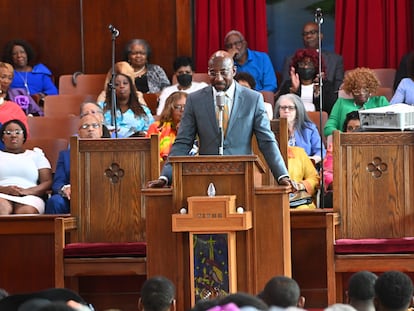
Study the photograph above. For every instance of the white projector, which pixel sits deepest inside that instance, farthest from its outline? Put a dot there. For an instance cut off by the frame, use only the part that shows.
(393, 117)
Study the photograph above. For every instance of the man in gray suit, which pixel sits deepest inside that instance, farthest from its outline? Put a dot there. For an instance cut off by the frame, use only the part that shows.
(247, 115)
(334, 63)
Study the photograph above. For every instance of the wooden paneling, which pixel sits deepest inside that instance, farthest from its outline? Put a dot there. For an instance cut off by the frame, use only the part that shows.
(73, 35)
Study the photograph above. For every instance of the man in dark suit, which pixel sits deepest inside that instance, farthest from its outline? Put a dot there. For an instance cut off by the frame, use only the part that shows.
(334, 63)
(247, 116)
(90, 126)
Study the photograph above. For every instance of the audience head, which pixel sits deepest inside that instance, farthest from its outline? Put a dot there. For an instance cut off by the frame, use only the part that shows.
(281, 291)
(120, 67)
(393, 291)
(245, 79)
(93, 108)
(310, 35)
(361, 83)
(352, 122)
(410, 66)
(306, 63)
(243, 300)
(13, 135)
(221, 70)
(235, 44)
(19, 53)
(157, 294)
(361, 290)
(174, 108)
(291, 107)
(137, 52)
(6, 77)
(183, 69)
(90, 126)
(125, 92)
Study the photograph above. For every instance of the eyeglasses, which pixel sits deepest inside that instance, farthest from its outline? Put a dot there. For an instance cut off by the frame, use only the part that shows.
(304, 64)
(86, 126)
(16, 132)
(138, 53)
(310, 32)
(290, 108)
(352, 128)
(222, 72)
(360, 92)
(179, 107)
(236, 44)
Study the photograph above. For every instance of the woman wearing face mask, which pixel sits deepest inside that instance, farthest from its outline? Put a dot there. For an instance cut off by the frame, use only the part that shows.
(183, 69)
(304, 81)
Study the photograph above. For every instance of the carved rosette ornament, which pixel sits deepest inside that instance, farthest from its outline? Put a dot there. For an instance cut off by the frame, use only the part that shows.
(377, 167)
(114, 173)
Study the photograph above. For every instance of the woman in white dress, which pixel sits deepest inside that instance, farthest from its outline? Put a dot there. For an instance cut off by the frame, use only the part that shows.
(25, 175)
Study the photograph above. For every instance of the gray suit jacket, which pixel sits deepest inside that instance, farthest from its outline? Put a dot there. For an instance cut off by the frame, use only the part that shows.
(248, 116)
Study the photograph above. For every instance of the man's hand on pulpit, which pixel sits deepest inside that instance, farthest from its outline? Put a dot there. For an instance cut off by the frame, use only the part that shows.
(286, 181)
(157, 183)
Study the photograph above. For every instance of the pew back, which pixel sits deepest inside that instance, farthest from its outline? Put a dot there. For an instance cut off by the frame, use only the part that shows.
(106, 177)
(373, 182)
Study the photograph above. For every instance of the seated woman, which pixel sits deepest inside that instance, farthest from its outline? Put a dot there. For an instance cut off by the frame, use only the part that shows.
(302, 131)
(59, 202)
(120, 67)
(304, 81)
(25, 175)
(35, 79)
(247, 80)
(351, 124)
(9, 111)
(405, 90)
(149, 78)
(361, 83)
(303, 173)
(167, 126)
(132, 117)
(19, 96)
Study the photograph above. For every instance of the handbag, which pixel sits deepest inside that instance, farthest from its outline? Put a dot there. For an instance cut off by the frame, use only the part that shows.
(300, 197)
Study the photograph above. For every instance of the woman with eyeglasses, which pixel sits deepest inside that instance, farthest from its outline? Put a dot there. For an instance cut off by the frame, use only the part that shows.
(302, 131)
(149, 78)
(132, 117)
(361, 83)
(25, 175)
(304, 81)
(169, 122)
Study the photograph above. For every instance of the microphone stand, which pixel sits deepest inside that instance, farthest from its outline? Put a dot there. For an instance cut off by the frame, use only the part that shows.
(319, 21)
(111, 85)
(220, 98)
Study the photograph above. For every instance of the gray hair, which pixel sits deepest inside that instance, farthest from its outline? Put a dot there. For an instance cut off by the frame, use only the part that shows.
(301, 115)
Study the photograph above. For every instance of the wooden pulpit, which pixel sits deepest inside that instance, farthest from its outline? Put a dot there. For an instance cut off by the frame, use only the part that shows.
(212, 222)
(261, 253)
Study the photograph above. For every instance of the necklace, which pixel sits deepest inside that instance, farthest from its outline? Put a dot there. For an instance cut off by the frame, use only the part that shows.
(24, 79)
(138, 72)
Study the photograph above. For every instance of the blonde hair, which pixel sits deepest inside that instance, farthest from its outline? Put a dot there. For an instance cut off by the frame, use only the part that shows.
(8, 67)
(360, 77)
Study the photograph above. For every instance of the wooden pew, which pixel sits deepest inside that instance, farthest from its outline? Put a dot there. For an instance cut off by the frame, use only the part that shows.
(28, 253)
(108, 221)
(373, 177)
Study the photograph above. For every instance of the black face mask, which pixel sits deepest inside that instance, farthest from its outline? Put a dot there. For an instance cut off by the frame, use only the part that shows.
(306, 73)
(185, 79)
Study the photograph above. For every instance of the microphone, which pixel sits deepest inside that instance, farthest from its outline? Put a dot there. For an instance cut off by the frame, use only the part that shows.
(318, 16)
(220, 102)
(113, 30)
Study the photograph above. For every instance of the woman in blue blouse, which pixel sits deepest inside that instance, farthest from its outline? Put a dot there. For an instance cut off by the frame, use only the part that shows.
(302, 131)
(132, 118)
(36, 79)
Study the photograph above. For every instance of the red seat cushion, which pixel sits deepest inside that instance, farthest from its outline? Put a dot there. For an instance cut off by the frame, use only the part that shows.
(374, 246)
(78, 250)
